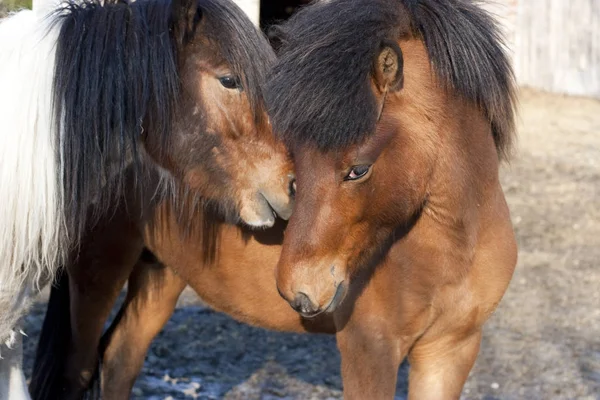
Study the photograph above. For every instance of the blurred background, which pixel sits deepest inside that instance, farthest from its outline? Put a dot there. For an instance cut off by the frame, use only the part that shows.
(544, 340)
(12, 5)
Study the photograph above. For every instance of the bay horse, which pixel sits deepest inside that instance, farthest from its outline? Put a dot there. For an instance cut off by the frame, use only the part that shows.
(398, 114)
(167, 90)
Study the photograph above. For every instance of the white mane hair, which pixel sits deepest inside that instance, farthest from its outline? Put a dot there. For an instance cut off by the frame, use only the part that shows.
(33, 239)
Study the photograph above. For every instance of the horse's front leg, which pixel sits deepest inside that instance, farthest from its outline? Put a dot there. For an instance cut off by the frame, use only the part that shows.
(12, 379)
(106, 260)
(440, 367)
(371, 356)
(152, 294)
(14, 302)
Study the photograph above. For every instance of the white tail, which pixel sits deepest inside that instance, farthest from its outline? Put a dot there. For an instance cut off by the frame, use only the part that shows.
(32, 234)
(43, 7)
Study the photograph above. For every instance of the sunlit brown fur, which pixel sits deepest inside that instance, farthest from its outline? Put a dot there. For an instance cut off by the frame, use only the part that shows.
(240, 281)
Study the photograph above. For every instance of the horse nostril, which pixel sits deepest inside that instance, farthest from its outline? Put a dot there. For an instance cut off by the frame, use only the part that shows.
(293, 187)
(303, 305)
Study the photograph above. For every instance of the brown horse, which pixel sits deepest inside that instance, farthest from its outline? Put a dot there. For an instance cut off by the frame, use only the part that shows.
(221, 154)
(398, 114)
(97, 86)
(400, 230)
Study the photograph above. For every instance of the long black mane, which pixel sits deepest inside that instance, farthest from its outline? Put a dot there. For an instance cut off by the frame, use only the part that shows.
(116, 80)
(116, 75)
(326, 52)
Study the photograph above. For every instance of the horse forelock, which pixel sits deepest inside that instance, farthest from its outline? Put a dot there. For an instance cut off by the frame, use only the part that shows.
(241, 44)
(319, 90)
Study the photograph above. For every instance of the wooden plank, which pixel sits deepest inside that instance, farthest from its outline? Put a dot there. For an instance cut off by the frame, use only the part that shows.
(555, 44)
(558, 46)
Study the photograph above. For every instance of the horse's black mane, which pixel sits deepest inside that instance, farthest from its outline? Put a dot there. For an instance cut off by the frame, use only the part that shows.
(319, 90)
(116, 79)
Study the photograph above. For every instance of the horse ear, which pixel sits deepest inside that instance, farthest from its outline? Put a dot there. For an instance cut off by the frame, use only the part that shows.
(185, 15)
(388, 67)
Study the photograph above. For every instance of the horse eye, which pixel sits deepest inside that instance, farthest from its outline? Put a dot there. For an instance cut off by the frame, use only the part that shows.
(230, 82)
(357, 172)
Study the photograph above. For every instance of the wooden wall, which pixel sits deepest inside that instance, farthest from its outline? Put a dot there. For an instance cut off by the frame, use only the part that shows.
(555, 43)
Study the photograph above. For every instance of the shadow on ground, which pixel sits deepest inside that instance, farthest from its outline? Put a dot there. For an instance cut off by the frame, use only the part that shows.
(203, 354)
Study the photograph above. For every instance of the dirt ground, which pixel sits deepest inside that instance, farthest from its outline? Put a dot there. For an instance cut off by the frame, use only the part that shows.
(542, 343)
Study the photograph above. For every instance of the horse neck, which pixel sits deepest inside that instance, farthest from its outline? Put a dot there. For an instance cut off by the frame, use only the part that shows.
(466, 218)
(455, 136)
(464, 193)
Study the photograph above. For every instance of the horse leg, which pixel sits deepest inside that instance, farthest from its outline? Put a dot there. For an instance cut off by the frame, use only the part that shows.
(152, 294)
(439, 369)
(12, 379)
(370, 360)
(107, 258)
